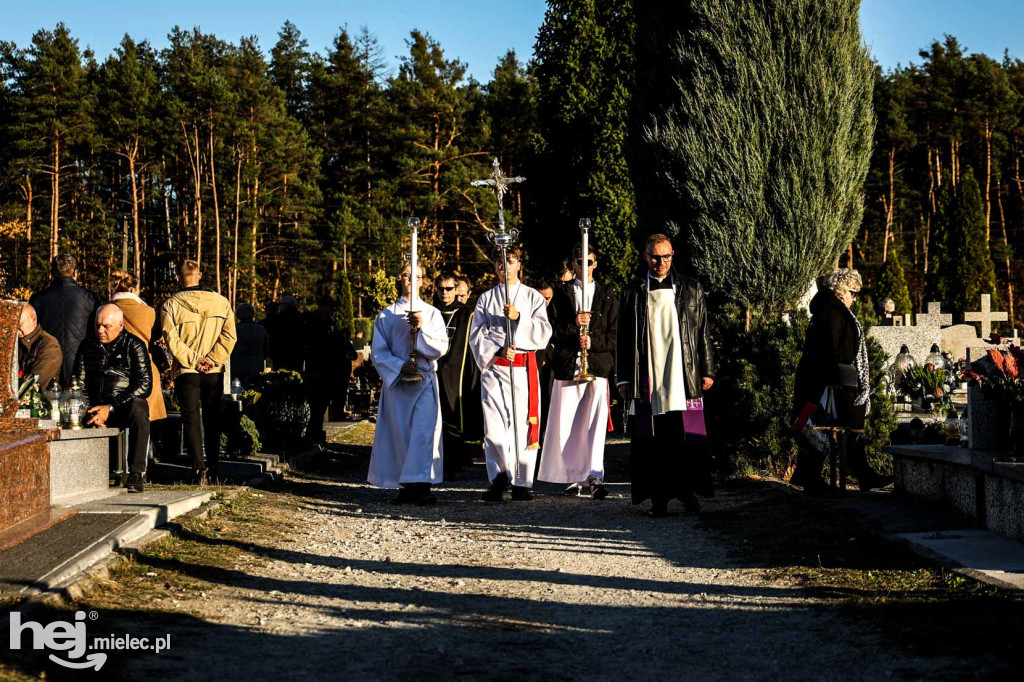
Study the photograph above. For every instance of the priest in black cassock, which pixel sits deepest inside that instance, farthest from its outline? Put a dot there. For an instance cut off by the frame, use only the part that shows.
(664, 365)
(459, 379)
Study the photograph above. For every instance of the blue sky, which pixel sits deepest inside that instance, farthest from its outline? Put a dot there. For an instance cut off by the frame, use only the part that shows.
(477, 32)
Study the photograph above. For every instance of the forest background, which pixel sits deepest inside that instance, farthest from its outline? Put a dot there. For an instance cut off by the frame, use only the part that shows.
(293, 172)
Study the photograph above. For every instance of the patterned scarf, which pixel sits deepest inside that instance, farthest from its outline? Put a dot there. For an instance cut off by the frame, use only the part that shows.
(863, 370)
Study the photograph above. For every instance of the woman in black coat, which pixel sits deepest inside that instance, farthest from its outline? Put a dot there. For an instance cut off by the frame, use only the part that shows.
(835, 354)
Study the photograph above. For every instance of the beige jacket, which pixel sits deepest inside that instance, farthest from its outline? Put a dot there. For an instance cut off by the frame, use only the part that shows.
(198, 324)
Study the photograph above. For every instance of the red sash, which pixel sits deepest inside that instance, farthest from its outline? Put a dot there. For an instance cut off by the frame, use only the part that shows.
(528, 359)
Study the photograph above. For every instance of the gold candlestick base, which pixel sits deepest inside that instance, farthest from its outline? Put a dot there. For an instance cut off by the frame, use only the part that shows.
(584, 377)
(412, 378)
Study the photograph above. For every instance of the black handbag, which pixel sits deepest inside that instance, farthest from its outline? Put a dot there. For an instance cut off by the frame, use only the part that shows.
(848, 376)
(161, 356)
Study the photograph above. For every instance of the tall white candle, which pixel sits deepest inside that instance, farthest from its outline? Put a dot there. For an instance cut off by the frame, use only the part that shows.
(585, 255)
(413, 272)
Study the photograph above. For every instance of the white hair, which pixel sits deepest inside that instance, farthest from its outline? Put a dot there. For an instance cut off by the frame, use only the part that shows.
(115, 311)
(842, 280)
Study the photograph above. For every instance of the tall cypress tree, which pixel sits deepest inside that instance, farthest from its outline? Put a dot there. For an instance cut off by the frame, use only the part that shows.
(585, 80)
(893, 284)
(962, 268)
(758, 119)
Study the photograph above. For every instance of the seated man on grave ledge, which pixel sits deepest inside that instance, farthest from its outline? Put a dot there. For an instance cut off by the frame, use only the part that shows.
(40, 353)
(115, 371)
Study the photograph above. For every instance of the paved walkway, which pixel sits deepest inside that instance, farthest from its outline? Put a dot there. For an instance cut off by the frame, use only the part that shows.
(558, 588)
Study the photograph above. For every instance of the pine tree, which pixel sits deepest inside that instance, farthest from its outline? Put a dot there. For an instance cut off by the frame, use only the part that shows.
(892, 284)
(760, 129)
(585, 81)
(962, 265)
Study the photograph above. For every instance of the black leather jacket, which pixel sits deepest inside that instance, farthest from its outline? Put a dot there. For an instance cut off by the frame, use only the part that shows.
(114, 373)
(565, 335)
(698, 357)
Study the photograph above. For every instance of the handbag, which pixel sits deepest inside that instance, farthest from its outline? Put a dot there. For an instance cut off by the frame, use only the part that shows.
(161, 356)
(848, 376)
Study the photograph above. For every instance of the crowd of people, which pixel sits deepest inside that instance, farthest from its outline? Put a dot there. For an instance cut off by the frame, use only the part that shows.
(120, 351)
(498, 376)
(505, 371)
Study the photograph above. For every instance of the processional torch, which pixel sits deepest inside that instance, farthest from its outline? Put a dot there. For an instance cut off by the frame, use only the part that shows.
(502, 239)
(414, 226)
(584, 376)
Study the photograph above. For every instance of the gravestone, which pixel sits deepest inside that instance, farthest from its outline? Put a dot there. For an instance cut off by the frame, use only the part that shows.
(24, 461)
(986, 316)
(959, 339)
(917, 338)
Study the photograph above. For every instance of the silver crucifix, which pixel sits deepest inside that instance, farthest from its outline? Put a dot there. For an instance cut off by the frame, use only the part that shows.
(502, 239)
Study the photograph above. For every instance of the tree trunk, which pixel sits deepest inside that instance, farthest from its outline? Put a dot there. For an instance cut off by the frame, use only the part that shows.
(988, 180)
(136, 261)
(238, 214)
(28, 227)
(195, 163)
(255, 228)
(55, 199)
(216, 204)
(1006, 249)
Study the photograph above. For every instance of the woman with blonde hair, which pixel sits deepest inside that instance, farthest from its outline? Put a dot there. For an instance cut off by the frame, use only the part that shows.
(835, 356)
(139, 320)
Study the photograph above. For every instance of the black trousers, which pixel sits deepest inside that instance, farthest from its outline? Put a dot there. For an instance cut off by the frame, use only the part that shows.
(665, 466)
(199, 396)
(134, 416)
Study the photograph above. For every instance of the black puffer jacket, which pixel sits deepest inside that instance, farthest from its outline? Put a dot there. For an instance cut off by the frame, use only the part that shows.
(66, 311)
(698, 355)
(114, 373)
(565, 335)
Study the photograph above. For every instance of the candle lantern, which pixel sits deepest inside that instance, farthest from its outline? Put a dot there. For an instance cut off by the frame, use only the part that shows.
(73, 405)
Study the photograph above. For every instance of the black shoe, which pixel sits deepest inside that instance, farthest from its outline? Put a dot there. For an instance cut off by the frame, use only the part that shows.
(498, 492)
(422, 495)
(405, 495)
(521, 494)
(574, 489)
(690, 502)
(872, 480)
(597, 489)
(135, 483)
(659, 509)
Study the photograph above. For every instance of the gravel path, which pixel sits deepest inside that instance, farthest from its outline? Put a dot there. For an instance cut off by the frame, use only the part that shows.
(554, 589)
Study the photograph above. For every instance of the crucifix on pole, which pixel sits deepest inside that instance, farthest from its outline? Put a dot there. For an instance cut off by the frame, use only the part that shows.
(502, 238)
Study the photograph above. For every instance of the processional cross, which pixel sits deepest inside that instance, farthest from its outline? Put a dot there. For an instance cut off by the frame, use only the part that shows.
(502, 239)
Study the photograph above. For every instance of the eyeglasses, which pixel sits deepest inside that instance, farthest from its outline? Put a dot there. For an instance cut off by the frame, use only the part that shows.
(660, 258)
(590, 261)
(447, 288)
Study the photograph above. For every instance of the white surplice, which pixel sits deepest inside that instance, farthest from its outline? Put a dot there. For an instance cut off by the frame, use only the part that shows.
(530, 332)
(407, 442)
(577, 423)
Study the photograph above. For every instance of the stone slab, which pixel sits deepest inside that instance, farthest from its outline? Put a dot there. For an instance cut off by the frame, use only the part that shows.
(918, 340)
(958, 338)
(955, 486)
(24, 478)
(1004, 506)
(80, 463)
(55, 556)
(995, 557)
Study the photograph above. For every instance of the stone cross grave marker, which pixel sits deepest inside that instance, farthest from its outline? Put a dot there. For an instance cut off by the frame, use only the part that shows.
(987, 316)
(934, 317)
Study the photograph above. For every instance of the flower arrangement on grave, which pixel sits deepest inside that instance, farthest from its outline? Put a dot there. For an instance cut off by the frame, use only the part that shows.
(277, 404)
(999, 375)
(31, 398)
(929, 382)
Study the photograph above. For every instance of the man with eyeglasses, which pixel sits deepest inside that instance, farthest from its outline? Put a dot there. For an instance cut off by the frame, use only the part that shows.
(577, 423)
(506, 362)
(458, 379)
(664, 366)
